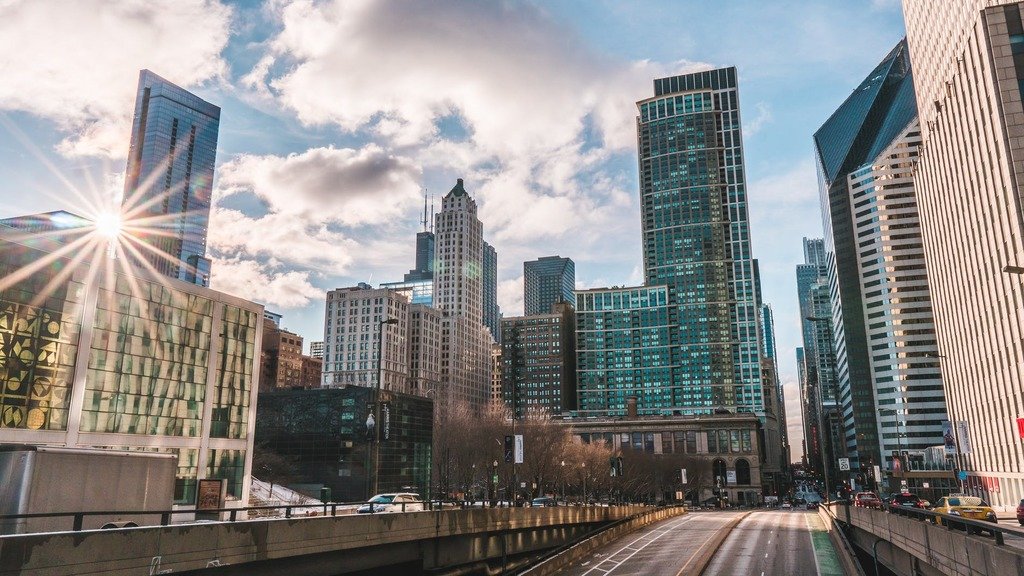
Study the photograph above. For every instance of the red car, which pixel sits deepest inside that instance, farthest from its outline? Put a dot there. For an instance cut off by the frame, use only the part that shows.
(867, 500)
(1020, 512)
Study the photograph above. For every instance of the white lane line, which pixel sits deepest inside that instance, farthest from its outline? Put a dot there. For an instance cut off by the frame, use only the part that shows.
(662, 531)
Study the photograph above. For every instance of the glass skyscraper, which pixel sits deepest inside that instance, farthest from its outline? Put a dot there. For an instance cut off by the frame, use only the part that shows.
(696, 240)
(169, 179)
(492, 312)
(548, 280)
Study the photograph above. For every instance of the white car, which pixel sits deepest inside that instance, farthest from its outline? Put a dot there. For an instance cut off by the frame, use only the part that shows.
(392, 502)
(786, 506)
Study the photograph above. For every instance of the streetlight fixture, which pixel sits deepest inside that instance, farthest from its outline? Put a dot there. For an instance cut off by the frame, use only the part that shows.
(376, 404)
(563, 482)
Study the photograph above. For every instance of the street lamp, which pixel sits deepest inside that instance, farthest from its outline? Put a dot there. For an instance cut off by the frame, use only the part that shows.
(899, 435)
(563, 482)
(376, 403)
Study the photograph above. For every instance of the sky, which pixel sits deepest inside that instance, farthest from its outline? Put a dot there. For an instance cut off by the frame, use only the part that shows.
(337, 115)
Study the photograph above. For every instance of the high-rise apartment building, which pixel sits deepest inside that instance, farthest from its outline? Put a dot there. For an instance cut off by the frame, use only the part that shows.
(624, 351)
(124, 359)
(424, 350)
(877, 297)
(968, 60)
(280, 358)
(696, 241)
(539, 361)
(353, 323)
(492, 312)
(546, 281)
(459, 294)
(169, 179)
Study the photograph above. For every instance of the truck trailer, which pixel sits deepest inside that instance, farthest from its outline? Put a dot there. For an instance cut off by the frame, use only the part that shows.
(42, 479)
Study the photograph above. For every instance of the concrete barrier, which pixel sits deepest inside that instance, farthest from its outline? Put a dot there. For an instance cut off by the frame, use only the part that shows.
(847, 556)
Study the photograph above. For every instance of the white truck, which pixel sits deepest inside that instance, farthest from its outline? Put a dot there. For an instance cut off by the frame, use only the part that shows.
(42, 480)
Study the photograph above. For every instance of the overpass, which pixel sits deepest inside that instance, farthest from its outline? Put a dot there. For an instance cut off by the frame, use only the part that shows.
(908, 543)
(430, 542)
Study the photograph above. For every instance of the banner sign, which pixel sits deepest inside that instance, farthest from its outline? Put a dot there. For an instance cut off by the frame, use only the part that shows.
(519, 449)
(948, 440)
(963, 434)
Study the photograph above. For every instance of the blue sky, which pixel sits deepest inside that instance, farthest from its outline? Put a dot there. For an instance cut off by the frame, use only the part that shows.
(336, 115)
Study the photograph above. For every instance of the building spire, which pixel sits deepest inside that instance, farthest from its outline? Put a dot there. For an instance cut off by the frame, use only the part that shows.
(424, 209)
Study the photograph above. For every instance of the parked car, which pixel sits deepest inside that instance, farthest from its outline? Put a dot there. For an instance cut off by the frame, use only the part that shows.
(812, 505)
(1020, 512)
(906, 500)
(543, 502)
(786, 506)
(965, 506)
(393, 502)
(867, 500)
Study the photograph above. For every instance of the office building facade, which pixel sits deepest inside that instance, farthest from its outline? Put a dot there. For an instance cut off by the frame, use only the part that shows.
(354, 329)
(886, 365)
(539, 361)
(169, 179)
(459, 295)
(424, 350)
(546, 281)
(696, 239)
(124, 359)
(280, 358)
(968, 60)
(492, 312)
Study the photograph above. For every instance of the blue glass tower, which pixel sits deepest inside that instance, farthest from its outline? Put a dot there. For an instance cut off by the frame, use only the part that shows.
(696, 239)
(548, 280)
(169, 178)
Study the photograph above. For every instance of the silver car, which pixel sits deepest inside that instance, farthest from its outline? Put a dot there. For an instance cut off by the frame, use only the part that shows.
(392, 502)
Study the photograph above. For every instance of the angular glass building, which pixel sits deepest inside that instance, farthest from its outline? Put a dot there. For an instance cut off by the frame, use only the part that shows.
(548, 280)
(890, 388)
(94, 354)
(696, 240)
(169, 179)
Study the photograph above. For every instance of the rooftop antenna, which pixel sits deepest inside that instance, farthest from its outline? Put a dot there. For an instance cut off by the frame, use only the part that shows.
(431, 213)
(424, 209)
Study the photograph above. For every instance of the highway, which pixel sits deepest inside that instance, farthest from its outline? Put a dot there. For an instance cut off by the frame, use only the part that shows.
(764, 542)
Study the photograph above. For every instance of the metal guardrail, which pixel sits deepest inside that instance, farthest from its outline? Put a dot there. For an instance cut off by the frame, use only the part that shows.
(951, 521)
(320, 509)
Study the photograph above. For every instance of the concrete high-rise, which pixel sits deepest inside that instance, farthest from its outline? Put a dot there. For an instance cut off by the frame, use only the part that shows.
(539, 361)
(459, 294)
(877, 298)
(696, 241)
(169, 179)
(968, 60)
(546, 281)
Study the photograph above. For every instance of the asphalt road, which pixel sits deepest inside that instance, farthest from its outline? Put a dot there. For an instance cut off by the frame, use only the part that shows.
(766, 542)
(661, 548)
(792, 543)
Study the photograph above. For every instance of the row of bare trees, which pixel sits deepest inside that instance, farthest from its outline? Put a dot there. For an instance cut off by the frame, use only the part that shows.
(468, 444)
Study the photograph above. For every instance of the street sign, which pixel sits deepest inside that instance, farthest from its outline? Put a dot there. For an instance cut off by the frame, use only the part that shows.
(962, 475)
(730, 477)
(683, 474)
(844, 464)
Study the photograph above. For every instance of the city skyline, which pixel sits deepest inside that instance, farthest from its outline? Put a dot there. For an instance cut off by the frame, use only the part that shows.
(573, 194)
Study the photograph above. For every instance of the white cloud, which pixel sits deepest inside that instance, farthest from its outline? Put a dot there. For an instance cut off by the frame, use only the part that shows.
(77, 63)
(321, 185)
(510, 296)
(264, 283)
(763, 116)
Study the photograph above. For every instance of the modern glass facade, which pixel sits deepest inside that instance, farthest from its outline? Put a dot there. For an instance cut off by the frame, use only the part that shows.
(624, 350)
(548, 280)
(111, 358)
(323, 433)
(169, 179)
(696, 239)
(492, 313)
(890, 389)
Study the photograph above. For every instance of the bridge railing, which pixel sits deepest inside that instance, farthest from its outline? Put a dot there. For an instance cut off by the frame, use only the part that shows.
(950, 521)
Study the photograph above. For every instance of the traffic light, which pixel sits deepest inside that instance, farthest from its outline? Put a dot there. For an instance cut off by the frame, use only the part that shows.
(509, 449)
(618, 466)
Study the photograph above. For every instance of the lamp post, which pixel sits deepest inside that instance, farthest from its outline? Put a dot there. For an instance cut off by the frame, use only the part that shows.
(563, 482)
(899, 435)
(376, 403)
(584, 466)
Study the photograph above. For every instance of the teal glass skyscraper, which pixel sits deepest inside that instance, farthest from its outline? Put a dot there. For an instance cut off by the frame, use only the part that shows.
(169, 179)
(696, 240)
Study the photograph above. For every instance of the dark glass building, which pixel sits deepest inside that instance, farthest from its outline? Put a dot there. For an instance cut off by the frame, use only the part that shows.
(548, 280)
(696, 241)
(169, 179)
(323, 438)
(424, 258)
(492, 313)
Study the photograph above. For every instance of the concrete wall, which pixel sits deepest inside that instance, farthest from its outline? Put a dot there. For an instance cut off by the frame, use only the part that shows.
(911, 546)
(307, 546)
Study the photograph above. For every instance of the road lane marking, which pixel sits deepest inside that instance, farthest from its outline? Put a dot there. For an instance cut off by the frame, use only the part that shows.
(663, 531)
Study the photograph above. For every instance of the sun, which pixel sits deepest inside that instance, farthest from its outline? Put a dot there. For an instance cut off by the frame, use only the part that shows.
(108, 225)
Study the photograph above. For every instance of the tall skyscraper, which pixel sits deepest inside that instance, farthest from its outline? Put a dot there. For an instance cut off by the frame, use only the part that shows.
(548, 280)
(424, 258)
(459, 294)
(968, 60)
(353, 323)
(696, 240)
(886, 363)
(492, 313)
(539, 358)
(815, 323)
(169, 179)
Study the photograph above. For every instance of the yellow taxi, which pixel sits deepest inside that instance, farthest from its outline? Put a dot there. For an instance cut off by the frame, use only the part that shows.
(971, 507)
